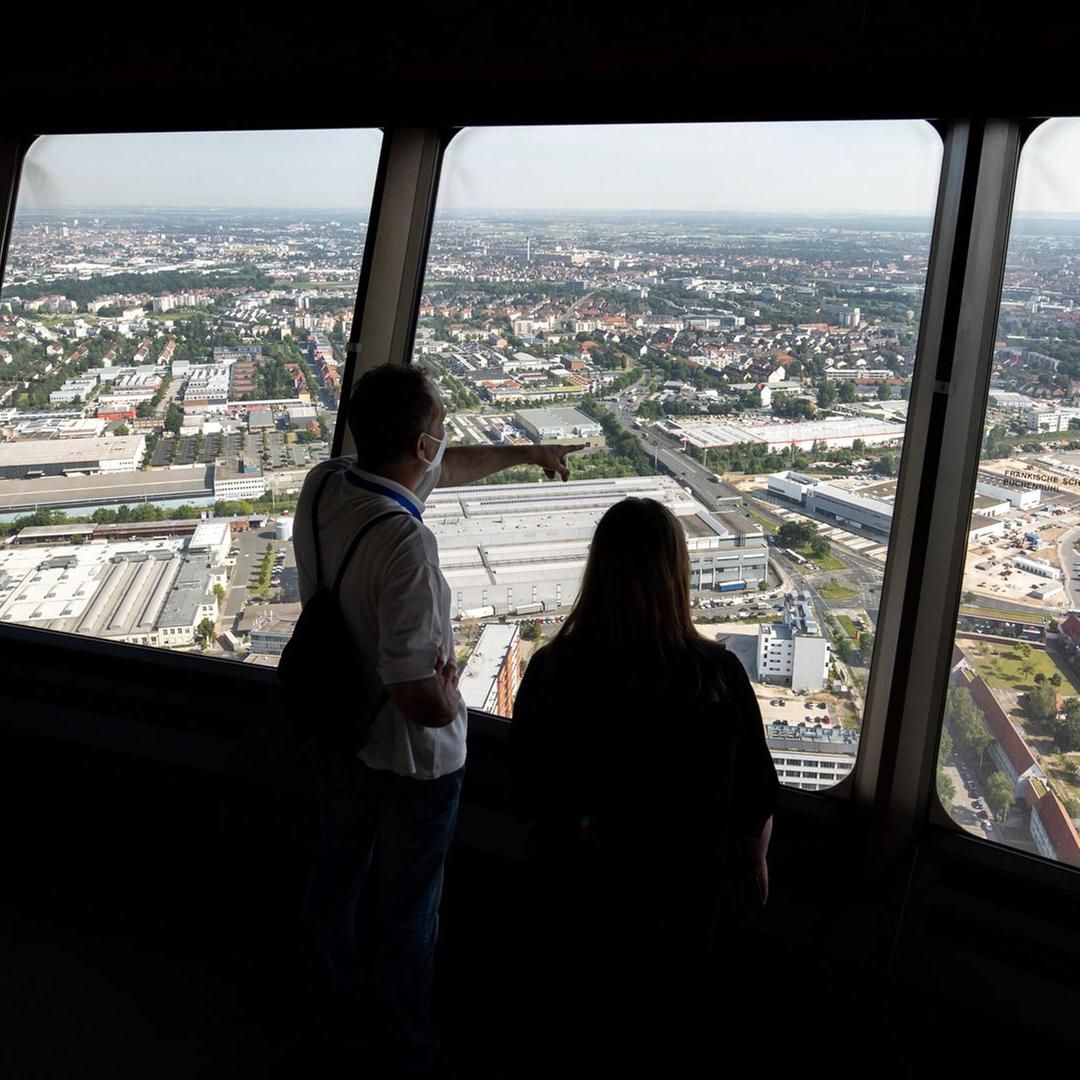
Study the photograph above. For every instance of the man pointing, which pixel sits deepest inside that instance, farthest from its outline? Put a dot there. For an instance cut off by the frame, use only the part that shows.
(400, 795)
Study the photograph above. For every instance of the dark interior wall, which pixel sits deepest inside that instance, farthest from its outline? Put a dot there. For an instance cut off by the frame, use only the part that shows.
(426, 64)
(125, 796)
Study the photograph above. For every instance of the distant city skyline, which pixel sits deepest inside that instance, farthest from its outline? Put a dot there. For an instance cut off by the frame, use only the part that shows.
(815, 168)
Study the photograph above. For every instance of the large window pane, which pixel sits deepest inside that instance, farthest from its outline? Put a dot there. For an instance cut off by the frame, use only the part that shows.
(728, 315)
(173, 321)
(1009, 762)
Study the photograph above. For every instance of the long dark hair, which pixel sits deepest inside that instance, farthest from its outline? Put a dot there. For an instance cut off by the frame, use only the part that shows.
(633, 611)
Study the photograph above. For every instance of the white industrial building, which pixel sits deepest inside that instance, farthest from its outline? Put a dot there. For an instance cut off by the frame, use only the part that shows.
(1019, 498)
(237, 481)
(207, 384)
(139, 592)
(504, 546)
(1037, 566)
(32, 458)
(811, 770)
(80, 388)
(795, 650)
(559, 425)
(1042, 416)
(867, 510)
(213, 537)
(782, 435)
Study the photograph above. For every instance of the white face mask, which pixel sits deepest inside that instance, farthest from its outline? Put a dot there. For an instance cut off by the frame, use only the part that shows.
(437, 459)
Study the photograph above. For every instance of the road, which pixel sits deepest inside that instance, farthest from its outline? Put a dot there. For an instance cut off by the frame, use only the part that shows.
(1070, 566)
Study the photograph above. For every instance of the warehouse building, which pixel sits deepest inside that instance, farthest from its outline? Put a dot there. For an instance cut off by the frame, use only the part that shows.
(559, 425)
(165, 488)
(32, 458)
(504, 546)
(142, 593)
(781, 435)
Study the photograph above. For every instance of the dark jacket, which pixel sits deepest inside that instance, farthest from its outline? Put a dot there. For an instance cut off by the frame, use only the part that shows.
(626, 777)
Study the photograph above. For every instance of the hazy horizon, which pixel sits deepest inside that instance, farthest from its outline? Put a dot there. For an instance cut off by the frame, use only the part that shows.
(812, 169)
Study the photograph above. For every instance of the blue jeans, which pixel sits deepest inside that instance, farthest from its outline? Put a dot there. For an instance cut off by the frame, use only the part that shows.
(412, 821)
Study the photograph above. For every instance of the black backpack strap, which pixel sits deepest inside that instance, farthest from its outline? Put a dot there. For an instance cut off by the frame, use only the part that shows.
(365, 528)
(315, 527)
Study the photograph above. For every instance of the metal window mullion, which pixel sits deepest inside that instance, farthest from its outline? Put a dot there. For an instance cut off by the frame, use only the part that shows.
(394, 270)
(934, 506)
(12, 152)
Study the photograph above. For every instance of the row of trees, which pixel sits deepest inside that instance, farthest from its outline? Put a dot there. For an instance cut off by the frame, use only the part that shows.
(799, 534)
(966, 730)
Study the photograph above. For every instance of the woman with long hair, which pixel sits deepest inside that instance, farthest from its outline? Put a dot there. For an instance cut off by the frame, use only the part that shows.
(639, 759)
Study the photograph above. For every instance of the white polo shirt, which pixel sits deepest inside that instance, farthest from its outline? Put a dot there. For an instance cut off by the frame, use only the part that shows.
(394, 598)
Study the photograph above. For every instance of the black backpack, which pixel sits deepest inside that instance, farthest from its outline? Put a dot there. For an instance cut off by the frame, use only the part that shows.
(321, 650)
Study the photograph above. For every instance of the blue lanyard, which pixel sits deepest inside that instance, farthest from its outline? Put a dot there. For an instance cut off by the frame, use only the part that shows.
(382, 489)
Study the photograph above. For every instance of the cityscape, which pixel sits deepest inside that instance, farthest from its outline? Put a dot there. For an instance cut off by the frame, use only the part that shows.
(167, 378)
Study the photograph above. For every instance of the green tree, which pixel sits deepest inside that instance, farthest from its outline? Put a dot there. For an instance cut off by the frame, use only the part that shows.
(826, 394)
(847, 392)
(999, 795)
(121, 429)
(884, 392)
(945, 748)
(946, 788)
(204, 632)
(173, 418)
(966, 721)
(886, 464)
(796, 533)
(530, 630)
(1042, 702)
(819, 547)
(219, 593)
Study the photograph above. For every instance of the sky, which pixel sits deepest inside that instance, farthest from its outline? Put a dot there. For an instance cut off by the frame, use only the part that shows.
(853, 167)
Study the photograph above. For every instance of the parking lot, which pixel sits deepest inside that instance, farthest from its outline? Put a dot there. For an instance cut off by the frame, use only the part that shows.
(969, 809)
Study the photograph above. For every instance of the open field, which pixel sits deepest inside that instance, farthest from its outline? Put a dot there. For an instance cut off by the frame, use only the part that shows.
(1004, 668)
(1001, 613)
(824, 562)
(835, 591)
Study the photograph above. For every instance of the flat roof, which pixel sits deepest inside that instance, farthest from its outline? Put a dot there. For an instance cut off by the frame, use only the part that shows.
(210, 533)
(45, 532)
(105, 488)
(86, 450)
(96, 589)
(727, 434)
(854, 498)
(486, 661)
(564, 417)
(190, 589)
(268, 618)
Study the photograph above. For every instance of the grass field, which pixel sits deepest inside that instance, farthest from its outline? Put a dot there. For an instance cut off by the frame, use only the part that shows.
(768, 526)
(848, 625)
(1003, 667)
(835, 591)
(826, 562)
(1000, 613)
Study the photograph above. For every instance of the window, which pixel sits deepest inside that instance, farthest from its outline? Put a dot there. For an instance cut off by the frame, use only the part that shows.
(693, 301)
(173, 324)
(1009, 759)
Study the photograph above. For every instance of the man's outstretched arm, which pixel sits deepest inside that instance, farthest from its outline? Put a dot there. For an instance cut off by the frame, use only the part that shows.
(464, 464)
